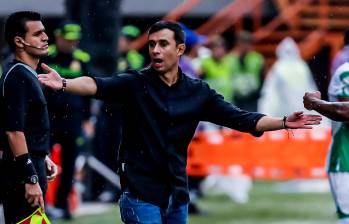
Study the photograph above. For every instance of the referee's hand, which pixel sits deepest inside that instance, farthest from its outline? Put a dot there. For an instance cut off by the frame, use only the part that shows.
(34, 196)
(51, 169)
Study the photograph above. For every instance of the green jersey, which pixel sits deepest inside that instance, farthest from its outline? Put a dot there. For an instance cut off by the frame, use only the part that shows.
(338, 157)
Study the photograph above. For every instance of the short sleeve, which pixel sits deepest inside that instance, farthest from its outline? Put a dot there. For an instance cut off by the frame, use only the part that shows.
(339, 85)
(16, 101)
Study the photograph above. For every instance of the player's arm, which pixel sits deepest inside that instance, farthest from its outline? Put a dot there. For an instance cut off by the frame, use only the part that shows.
(338, 111)
(17, 142)
(83, 86)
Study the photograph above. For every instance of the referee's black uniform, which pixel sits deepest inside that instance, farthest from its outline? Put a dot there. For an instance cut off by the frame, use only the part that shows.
(22, 108)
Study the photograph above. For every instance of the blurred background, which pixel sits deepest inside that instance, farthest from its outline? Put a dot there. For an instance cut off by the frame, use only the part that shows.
(261, 55)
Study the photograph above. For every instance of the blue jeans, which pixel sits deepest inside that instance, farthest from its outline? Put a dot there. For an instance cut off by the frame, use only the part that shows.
(136, 211)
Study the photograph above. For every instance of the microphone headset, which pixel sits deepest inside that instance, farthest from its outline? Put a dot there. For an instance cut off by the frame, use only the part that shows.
(29, 45)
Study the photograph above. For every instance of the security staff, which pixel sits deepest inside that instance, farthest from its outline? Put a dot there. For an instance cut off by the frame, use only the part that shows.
(67, 112)
(128, 57)
(24, 124)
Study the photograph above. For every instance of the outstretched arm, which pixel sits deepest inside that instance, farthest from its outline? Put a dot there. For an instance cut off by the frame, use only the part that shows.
(338, 111)
(83, 86)
(297, 120)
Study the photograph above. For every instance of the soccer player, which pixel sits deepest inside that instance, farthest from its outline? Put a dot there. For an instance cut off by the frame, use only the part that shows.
(338, 155)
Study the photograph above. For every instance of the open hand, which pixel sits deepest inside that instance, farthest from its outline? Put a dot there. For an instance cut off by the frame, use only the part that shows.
(52, 79)
(299, 120)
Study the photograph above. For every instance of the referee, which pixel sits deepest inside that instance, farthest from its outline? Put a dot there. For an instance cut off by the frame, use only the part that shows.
(24, 125)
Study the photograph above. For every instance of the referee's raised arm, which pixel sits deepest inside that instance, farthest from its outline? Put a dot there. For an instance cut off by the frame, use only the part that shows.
(83, 86)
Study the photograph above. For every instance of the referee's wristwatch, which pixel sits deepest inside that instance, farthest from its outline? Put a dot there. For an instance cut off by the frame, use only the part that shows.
(34, 179)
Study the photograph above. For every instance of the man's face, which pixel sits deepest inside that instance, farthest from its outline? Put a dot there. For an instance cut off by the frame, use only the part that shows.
(163, 50)
(35, 40)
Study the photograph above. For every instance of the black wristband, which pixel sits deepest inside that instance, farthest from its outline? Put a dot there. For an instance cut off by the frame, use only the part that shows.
(26, 167)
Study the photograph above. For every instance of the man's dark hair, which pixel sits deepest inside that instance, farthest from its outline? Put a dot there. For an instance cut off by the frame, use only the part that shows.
(15, 25)
(179, 34)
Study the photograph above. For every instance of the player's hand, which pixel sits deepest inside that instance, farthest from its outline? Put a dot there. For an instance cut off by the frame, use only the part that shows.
(34, 195)
(52, 79)
(310, 98)
(52, 169)
(299, 120)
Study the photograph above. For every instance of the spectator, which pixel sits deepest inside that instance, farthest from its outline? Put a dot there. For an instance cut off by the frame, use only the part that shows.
(129, 58)
(190, 62)
(287, 80)
(247, 75)
(218, 68)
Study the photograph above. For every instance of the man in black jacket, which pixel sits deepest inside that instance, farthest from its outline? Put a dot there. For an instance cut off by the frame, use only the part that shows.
(162, 108)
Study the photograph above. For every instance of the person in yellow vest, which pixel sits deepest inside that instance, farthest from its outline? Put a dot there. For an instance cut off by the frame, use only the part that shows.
(247, 76)
(218, 68)
(128, 58)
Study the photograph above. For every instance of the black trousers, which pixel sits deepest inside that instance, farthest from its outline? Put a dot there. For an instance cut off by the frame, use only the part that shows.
(16, 207)
(69, 152)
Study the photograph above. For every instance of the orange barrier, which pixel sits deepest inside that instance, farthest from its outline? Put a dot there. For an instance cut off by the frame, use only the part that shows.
(276, 155)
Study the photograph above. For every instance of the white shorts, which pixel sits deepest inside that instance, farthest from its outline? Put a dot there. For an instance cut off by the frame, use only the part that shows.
(339, 182)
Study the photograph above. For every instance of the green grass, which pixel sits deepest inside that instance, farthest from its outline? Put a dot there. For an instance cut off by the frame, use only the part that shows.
(265, 207)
